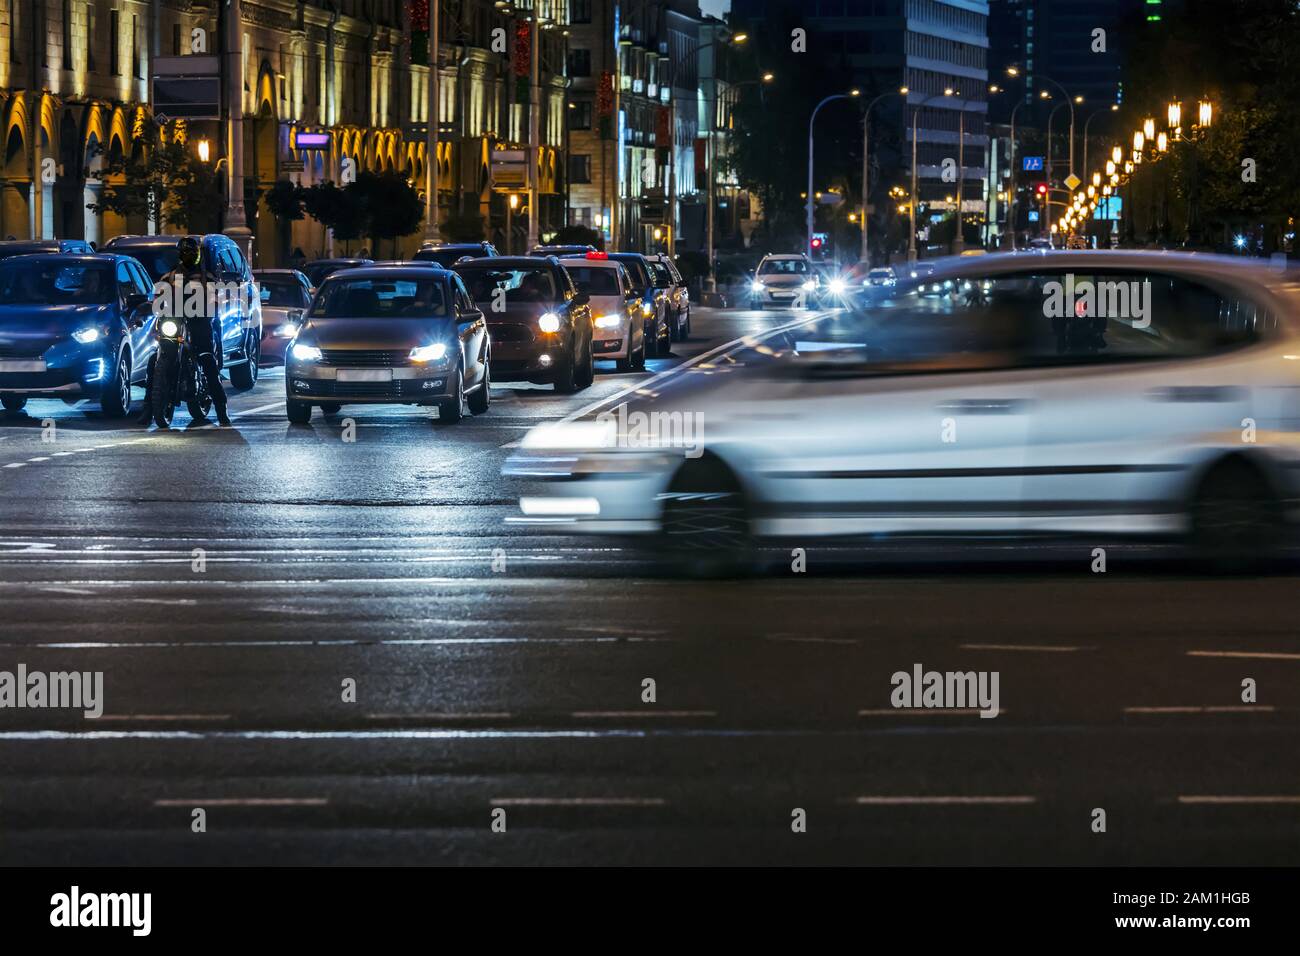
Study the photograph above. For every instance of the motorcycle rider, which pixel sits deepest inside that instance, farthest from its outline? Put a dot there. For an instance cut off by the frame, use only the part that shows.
(203, 334)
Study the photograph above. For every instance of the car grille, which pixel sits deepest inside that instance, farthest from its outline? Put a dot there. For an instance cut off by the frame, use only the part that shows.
(510, 332)
(364, 358)
(24, 350)
(398, 389)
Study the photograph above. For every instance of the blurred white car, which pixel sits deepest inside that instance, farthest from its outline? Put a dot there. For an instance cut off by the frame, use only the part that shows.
(880, 277)
(1100, 393)
(615, 309)
(783, 280)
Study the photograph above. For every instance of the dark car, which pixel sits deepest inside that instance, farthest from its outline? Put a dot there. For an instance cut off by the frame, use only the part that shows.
(540, 324)
(390, 335)
(562, 250)
(239, 311)
(74, 327)
(447, 254)
(677, 297)
(320, 269)
(29, 247)
(285, 295)
(657, 333)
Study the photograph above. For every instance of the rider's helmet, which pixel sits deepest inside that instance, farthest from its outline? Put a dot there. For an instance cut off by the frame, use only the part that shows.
(187, 252)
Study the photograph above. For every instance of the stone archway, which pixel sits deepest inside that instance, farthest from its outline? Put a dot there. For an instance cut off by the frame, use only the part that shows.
(263, 157)
(15, 191)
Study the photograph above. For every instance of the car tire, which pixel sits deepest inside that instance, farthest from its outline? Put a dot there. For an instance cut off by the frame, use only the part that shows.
(299, 413)
(244, 377)
(638, 357)
(115, 399)
(452, 410)
(704, 526)
(687, 333)
(587, 367)
(163, 409)
(481, 400)
(565, 380)
(12, 403)
(1235, 519)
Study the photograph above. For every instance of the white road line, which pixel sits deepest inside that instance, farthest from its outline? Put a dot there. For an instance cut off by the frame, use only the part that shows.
(1238, 800)
(924, 712)
(320, 642)
(1045, 648)
(1252, 655)
(244, 802)
(944, 801)
(486, 715)
(795, 639)
(1240, 709)
(67, 591)
(254, 411)
(578, 802)
(164, 717)
(624, 714)
(17, 464)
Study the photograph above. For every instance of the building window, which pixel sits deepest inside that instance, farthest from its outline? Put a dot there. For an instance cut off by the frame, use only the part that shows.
(579, 63)
(579, 168)
(114, 42)
(67, 34)
(90, 38)
(135, 47)
(176, 39)
(580, 114)
(579, 11)
(14, 32)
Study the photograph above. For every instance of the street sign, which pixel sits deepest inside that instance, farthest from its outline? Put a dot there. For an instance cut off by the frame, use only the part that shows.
(1033, 215)
(311, 140)
(292, 166)
(1073, 182)
(187, 97)
(1032, 164)
(186, 66)
(509, 169)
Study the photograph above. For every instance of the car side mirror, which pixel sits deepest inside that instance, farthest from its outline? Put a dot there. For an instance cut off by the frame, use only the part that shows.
(581, 299)
(134, 300)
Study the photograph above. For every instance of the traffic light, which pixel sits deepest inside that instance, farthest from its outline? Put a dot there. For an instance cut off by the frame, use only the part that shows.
(819, 244)
(1042, 190)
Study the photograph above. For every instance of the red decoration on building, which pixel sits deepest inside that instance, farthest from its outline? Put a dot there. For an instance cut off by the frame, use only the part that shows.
(663, 128)
(523, 47)
(419, 15)
(605, 94)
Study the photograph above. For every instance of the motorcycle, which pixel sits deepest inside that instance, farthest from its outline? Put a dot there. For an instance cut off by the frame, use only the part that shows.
(177, 376)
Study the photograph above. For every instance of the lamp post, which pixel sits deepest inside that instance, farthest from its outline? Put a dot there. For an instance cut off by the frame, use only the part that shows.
(1113, 108)
(811, 119)
(236, 221)
(1015, 71)
(959, 241)
(866, 168)
(1015, 170)
(915, 200)
(431, 133)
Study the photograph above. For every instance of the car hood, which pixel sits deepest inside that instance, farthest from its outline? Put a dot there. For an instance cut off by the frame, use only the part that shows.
(374, 333)
(48, 320)
(607, 305)
(783, 280)
(517, 313)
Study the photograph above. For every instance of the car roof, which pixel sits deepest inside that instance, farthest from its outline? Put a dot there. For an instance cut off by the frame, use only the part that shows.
(509, 262)
(785, 255)
(418, 270)
(335, 262)
(583, 260)
(162, 239)
(277, 272)
(105, 257)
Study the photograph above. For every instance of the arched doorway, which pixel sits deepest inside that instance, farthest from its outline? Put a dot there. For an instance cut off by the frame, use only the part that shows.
(15, 209)
(69, 223)
(264, 155)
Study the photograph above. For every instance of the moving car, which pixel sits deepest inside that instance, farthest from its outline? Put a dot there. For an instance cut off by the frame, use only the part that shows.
(319, 269)
(27, 247)
(239, 310)
(447, 254)
(285, 295)
(677, 297)
(881, 277)
(539, 323)
(74, 327)
(619, 329)
(1099, 393)
(390, 335)
(783, 280)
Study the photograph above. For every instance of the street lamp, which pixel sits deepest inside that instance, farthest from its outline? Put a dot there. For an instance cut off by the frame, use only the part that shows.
(1015, 71)
(866, 168)
(1175, 115)
(811, 200)
(1114, 108)
(205, 150)
(1205, 114)
(916, 199)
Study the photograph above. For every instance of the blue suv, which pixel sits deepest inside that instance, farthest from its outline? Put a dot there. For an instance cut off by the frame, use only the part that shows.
(74, 327)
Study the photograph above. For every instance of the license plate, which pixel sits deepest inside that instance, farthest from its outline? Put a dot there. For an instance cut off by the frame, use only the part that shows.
(23, 366)
(365, 375)
(783, 295)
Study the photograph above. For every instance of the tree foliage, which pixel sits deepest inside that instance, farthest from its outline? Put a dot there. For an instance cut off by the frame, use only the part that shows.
(159, 180)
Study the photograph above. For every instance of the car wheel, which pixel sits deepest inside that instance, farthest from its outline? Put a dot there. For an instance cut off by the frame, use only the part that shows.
(687, 333)
(704, 526)
(12, 403)
(638, 357)
(115, 400)
(1235, 518)
(586, 367)
(244, 377)
(481, 400)
(451, 410)
(565, 381)
(299, 412)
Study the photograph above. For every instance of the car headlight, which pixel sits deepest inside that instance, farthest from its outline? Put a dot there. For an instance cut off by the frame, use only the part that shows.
(286, 331)
(86, 336)
(430, 353)
(837, 287)
(647, 309)
(809, 285)
(306, 353)
(549, 322)
(757, 286)
(608, 321)
(170, 328)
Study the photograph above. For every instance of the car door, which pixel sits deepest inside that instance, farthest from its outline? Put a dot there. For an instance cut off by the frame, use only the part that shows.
(141, 336)
(472, 328)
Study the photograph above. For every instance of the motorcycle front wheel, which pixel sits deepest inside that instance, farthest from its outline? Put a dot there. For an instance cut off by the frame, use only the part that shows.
(163, 387)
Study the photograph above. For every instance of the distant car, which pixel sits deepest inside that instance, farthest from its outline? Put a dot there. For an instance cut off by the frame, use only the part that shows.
(1040, 245)
(881, 277)
(539, 322)
(240, 315)
(561, 250)
(653, 303)
(784, 280)
(320, 269)
(677, 297)
(74, 327)
(447, 254)
(27, 247)
(390, 335)
(616, 306)
(1094, 393)
(285, 295)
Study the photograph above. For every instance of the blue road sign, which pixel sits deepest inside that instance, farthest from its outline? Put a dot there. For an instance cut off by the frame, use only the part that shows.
(1032, 164)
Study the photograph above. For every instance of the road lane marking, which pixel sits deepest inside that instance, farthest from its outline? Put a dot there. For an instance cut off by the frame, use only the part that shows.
(1252, 655)
(485, 715)
(1238, 800)
(320, 642)
(244, 802)
(875, 801)
(17, 464)
(260, 408)
(624, 714)
(796, 639)
(1045, 648)
(1238, 709)
(578, 802)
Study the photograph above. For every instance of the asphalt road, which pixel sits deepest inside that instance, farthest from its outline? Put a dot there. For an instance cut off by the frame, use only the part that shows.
(325, 561)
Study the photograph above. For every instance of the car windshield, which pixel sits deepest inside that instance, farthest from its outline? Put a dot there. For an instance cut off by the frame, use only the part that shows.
(783, 267)
(594, 280)
(394, 298)
(55, 283)
(284, 291)
(446, 257)
(157, 260)
(519, 285)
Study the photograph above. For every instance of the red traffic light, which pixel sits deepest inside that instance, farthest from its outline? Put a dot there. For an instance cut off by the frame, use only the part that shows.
(1042, 189)
(816, 243)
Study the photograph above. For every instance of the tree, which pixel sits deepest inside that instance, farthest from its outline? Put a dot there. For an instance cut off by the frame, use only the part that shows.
(338, 210)
(578, 236)
(284, 200)
(390, 206)
(161, 180)
(463, 227)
